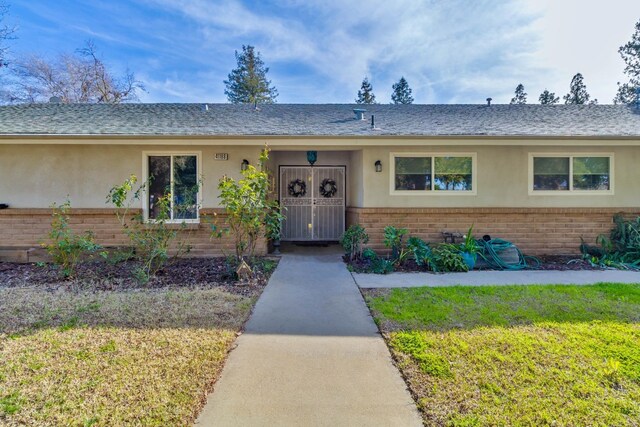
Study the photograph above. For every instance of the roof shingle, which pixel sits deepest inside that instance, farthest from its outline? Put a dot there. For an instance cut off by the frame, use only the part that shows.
(319, 120)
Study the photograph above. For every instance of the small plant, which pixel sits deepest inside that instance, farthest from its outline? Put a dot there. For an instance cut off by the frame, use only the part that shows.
(353, 241)
(151, 240)
(266, 266)
(469, 249)
(66, 248)
(369, 254)
(273, 221)
(393, 240)
(621, 249)
(421, 252)
(470, 244)
(381, 265)
(447, 258)
(249, 213)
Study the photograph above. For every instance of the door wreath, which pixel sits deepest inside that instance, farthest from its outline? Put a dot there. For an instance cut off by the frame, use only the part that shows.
(297, 188)
(328, 188)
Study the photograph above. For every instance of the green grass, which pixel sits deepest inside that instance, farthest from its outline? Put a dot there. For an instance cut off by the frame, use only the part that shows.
(113, 358)
(517, 355)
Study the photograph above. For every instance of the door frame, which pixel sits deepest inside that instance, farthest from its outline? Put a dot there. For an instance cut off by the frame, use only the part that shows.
(317, 166)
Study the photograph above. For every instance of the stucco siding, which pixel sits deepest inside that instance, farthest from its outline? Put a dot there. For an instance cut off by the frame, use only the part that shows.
(502, 178)
(34, 176)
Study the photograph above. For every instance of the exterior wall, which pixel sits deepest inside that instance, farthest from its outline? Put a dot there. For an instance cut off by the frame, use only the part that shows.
(503, 178)
(535, 231)
(356, 182)
(29, 227)
(34, 176)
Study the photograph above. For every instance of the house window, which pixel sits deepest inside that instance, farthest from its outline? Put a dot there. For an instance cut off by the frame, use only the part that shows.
(445, 174)
(571, 173)
(175, 175)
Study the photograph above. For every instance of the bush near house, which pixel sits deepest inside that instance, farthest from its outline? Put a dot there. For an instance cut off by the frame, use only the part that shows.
(517, 355)
(251, 215)
(620, 249)
(65, 247)
(353, 241)
(443, 257)
(151, 240)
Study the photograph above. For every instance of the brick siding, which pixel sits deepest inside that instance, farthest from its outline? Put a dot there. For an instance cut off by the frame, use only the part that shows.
(551, 231)
(29, 227)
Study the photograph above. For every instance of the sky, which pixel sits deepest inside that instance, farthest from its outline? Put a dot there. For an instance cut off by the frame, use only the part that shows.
(318, 51)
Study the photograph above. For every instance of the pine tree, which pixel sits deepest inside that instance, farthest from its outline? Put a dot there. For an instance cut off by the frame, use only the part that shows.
(365, 94)
(630, 52)
(548, 98)
(578, 92)
(401, 92)
(248, 82)
(520, 96)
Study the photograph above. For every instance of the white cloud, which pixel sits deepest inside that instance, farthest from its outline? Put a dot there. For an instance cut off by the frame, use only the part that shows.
(443, 48)
(449, 50)
(584, 36)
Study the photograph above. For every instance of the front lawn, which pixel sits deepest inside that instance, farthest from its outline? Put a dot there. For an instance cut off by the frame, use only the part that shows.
(517, 355)
(138, 357)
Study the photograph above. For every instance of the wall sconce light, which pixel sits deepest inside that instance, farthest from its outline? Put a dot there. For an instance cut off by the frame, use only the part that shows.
(378, 165)
(244, 165)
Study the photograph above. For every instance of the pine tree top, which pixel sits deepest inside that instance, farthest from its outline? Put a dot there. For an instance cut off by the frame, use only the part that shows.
(365, 94)
(578, 92)
(520, 95)
(401, 92)
(248, 84)
(548, 98)
(629, 92)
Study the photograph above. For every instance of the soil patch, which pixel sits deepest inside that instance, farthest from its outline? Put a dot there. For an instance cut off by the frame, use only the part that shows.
(103, 276)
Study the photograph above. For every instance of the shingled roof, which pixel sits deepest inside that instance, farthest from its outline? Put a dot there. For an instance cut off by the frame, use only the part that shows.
(320, 120)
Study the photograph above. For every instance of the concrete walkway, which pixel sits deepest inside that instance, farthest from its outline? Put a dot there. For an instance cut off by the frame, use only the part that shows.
(310, 356)
(480, 278)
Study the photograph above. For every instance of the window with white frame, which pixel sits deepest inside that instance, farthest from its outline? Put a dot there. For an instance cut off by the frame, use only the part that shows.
(173, 187)
(571, 173)
(437, 173)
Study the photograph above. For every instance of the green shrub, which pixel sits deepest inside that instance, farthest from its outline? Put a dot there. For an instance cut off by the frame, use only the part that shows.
(621, 249)
(273, 220)
(470, 244)
(151, 240)
(352, 241)
(249, 213)
(66, 248)
(421, 252)
(369, 254)
(447, 258)
(381, 265)
(393, 240)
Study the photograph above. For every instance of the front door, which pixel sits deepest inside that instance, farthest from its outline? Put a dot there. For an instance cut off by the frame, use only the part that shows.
(314, 198)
